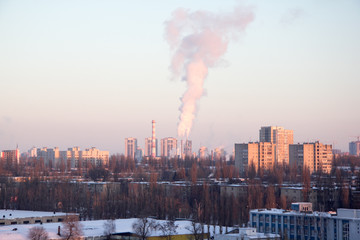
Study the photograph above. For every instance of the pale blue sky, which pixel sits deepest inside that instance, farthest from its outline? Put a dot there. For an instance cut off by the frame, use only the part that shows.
(90, 73)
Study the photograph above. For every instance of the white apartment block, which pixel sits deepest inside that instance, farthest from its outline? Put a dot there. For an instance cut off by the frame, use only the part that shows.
(304, 224)
(168, 147)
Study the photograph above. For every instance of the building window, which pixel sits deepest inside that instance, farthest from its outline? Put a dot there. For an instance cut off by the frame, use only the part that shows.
(345, 230)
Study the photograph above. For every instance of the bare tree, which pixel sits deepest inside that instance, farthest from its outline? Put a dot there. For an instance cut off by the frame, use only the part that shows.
(109, 227)
(72, 228)
(143, 227)
(37, 233)
(196, 230)
(168, 229)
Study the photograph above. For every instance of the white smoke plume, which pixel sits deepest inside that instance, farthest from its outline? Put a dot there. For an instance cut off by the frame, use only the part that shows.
(198, 41)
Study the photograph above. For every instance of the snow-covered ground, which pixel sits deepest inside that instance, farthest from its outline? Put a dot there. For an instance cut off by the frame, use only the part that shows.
(89, 228)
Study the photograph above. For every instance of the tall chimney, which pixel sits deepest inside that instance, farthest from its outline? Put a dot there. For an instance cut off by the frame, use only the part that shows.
(153, 141)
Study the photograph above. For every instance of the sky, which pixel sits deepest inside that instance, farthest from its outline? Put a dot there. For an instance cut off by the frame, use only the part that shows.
(92, 73)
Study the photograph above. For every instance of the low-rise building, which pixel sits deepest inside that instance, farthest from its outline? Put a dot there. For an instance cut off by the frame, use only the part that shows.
(302, 223)
(12, 217)
(246, 234)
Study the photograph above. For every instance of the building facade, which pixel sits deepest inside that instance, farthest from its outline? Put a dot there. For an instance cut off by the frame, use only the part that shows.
(281, 138)
(130, 147)
(50, 156)
(354, 148)
(304, 224)
(315, 156)
(258, 155)
(11, 157)
(168, 147)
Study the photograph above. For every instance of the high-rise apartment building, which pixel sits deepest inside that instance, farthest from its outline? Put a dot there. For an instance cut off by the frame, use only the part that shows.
(259, 155)
(138, 154)
(130, 147)
(95, 157)
(266, 155)
(281, 138)
(50, 156)
(74, 157)
(148, 147)
(10, 156)
(168, 147)
(302, 155)
(246, 155)
(354, 148)
(71, 157)
(316, 156)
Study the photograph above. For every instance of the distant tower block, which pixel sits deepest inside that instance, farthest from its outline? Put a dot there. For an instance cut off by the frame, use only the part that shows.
(153, 141)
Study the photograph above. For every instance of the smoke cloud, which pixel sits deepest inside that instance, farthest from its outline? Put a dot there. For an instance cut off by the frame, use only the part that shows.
(198, 41)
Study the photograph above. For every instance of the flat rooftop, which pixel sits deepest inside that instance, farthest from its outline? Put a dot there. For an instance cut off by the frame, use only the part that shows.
(13, 214)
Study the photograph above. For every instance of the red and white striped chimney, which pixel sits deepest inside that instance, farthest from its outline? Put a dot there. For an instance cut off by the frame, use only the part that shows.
(153, 141)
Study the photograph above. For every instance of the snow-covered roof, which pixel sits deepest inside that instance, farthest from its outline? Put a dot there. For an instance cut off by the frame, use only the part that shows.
(13, 214)
(287, 212)
(90, 228)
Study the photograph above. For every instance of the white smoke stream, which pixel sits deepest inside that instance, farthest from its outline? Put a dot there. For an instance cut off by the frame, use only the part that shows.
(198, 41)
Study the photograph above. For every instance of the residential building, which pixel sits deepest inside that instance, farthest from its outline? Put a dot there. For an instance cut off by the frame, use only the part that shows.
(148, 146)
(130, 147)
(168, 147)
(71, 157)
(315, 156)
(354, 148)
(32, 152)
(50, 156)
(302, 223)
(138, 154)
(281, 138)
(11, 157)
(266, 155)
(94, 156)
(258, 155)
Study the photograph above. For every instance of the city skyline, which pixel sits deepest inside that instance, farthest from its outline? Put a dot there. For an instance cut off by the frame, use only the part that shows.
(95, 73)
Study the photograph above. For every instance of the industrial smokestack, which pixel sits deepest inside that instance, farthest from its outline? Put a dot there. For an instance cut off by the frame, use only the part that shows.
(199, 40)
(153, 141)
